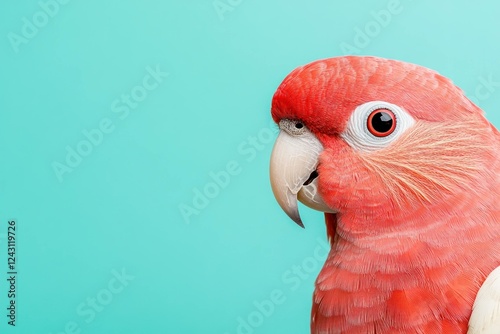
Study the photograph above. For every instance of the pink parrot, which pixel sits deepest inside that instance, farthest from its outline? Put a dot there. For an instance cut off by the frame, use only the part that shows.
(407, 171)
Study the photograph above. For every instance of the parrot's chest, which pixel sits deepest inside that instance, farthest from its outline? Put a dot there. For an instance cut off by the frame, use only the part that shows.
(376, 290)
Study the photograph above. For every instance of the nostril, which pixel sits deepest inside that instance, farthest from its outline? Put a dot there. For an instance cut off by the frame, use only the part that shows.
(311, 178)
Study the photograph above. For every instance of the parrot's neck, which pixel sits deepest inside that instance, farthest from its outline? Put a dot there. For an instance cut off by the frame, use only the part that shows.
(418, 277)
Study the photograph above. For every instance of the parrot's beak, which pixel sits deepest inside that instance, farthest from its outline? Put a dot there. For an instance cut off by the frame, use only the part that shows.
(293, 172)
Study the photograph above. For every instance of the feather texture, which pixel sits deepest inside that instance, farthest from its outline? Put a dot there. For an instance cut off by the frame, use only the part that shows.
(485, 318)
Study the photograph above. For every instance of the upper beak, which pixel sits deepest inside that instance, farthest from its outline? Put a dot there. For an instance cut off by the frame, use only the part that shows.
(293, 172)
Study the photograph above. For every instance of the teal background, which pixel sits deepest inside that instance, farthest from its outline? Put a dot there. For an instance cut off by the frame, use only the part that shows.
(119, 209)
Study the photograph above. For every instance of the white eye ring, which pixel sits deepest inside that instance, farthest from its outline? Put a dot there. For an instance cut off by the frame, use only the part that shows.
(359, 137)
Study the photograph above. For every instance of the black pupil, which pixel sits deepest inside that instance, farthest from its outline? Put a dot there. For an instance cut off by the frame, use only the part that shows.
(382, 122)
(299, 125)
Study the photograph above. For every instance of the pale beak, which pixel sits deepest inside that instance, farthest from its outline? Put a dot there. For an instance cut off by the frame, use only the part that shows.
(293, 171)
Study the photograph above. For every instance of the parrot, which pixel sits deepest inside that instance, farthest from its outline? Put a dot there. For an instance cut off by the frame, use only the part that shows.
(406, 170)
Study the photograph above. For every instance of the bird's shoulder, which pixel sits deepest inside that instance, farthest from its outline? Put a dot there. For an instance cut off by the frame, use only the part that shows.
(485, 318)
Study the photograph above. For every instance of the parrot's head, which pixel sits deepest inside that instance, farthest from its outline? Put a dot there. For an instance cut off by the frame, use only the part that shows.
(375, 138)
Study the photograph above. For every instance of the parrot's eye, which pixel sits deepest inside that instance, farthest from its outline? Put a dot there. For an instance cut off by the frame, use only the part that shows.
(381, 122)
(376, 124)
(299, 125)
